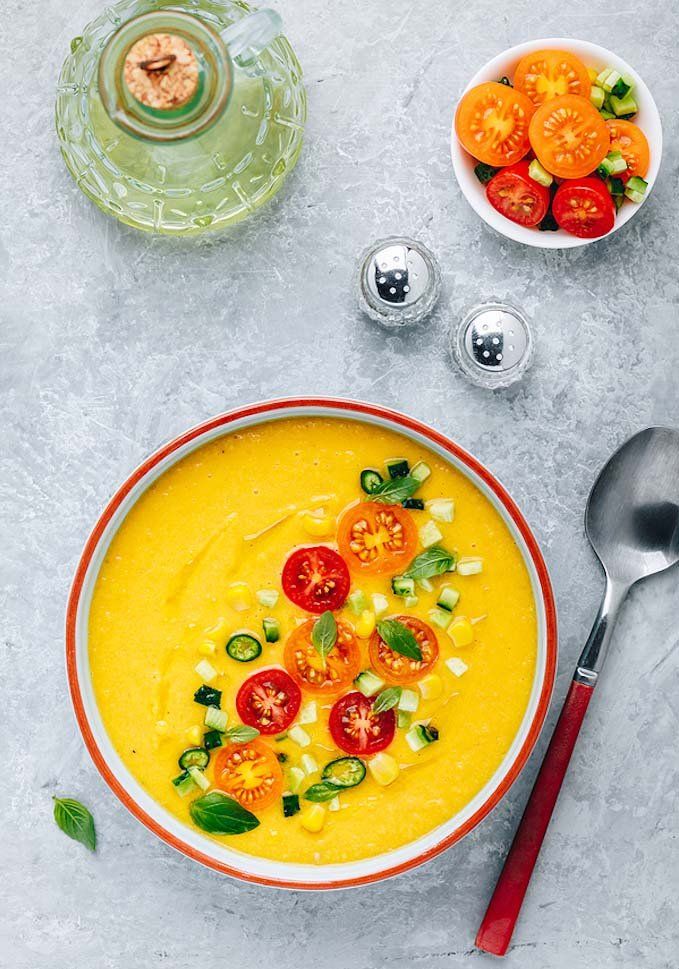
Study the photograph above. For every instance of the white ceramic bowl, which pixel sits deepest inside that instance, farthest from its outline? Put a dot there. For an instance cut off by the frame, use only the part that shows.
(505, 64)
(190, 841)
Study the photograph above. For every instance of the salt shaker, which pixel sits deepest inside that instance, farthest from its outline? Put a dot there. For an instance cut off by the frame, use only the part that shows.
(399, 281)
(493, 344)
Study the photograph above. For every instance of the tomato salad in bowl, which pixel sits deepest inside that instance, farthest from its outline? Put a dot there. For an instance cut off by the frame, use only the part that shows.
(556, 143)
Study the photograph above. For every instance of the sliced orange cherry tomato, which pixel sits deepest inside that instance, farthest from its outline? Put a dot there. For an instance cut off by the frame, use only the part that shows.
(316, 578)
(314, 673)
(357, 729)
(491, 122)
(268, 700)
(399, 669)
(569, 136)
(517, 196)
(250, 773)
(546, 74)
(375, 538)
(584, 208)
(630, 141)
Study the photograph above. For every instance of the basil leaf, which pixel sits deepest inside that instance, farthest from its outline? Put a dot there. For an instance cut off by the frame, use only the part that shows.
(395, 491)
(324, 633)
(75, 820)
(321, 792)
(219, 814)
(399, 638)
(435, 561)
(387, 698)
(241, 734)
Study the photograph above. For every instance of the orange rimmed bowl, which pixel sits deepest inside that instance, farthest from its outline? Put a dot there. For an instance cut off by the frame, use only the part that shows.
(190, 841)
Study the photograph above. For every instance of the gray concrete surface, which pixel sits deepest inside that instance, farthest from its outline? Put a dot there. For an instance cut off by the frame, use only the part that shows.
(111, 342)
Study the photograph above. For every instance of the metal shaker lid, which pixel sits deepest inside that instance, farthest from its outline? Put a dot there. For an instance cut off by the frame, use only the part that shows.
(493, 344)
(399, 281)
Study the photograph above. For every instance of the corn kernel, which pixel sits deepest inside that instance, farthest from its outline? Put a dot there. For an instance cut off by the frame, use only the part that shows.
(207, 648)
(365, 624)
(162, 728)
(313, 818)
(194, 735)
(461, 632)
(383, 768)
(431, 687)
(238, 596)
(318, 525)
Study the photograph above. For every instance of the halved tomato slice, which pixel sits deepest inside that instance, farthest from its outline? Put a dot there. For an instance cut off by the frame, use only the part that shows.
(317, 674)
(399, 669)
(316, 578)
(268, 700)
(584, 208)
(630, 141)
(375, 538)
(357, 729)
(569, 136)
(491, 122)
(546, 74)
(517, 196)
(250, 773)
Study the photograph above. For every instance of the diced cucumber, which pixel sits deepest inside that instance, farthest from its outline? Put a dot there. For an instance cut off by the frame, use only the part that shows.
(334, 803)
(208, 696)
(308, 712)
(621, 87)
(403, 719)
(380, 603)
(206, 671)
(616, 186)
(401, 585)
(410, 602)
(420, 736)
(216, 719)
(370, 480)
(408, 701)
(199, 778)
(299, 736)
(267, 598)
(397, 468)
(308, 764)
(272, 630)
(484, 172)
(540, 174)
(596, 96)
(296, 777)
(183, 784)
(212, 739)
(290, 805)
(635, 189)
(613, 164)
(439, 618)
(448, 598)
(601, 77)
(430, 534)
(606, 115)
(469, 565)
(623, 106)
(368, 683)
(415, 504)
(441, 509)
(608, 79)
(456, 665)
(358, 602)
(420, 472)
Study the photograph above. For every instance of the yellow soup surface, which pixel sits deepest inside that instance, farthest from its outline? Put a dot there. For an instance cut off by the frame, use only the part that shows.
(182, 575)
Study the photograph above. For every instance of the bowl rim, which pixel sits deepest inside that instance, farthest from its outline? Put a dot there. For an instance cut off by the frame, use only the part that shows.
(87, 569)
(460, 157)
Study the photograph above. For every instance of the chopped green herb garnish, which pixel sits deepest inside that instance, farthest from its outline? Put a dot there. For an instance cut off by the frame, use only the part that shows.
(75, 821)
(398, 637)
(324, 634)
(387, 699)
(434, 561)
(395, 491)
(320, 792)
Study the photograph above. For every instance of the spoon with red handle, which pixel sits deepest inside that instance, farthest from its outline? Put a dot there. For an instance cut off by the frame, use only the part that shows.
(632, 522)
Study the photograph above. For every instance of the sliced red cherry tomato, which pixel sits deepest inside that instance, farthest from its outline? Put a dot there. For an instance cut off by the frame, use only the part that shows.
(517, 196)
(250, 773)
(316, 674)
(357, 729)
(316, 578)
(375, 538)
(395, 667)
(584, 208)
(268, 700)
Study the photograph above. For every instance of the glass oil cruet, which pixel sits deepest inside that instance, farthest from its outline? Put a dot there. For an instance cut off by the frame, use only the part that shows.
(177, 119)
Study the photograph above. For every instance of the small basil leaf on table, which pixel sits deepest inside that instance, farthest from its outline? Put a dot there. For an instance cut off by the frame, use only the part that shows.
(241, 734)
(321, 792)
(75, 820)
(435, 561)
(387, 699)
(218, 814)
(395, 491)
(399, 638)
(324, 633)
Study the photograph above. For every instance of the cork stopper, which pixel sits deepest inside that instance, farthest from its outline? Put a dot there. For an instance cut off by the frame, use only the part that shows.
(161, 71)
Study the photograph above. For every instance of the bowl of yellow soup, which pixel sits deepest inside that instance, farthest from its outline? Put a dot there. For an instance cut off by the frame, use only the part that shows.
(311, 643)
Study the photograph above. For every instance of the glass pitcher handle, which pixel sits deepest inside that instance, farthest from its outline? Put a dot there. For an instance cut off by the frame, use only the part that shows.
(247, 38)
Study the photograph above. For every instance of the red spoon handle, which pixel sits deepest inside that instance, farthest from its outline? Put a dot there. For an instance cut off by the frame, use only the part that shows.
(498, 923)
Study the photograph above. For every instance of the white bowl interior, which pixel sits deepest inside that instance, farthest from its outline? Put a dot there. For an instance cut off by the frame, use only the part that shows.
(592, 55)
(225, 854)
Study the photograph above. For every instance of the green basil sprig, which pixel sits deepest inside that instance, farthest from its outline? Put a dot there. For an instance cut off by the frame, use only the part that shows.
(321, 792)
(435, 561)
(387, 699)
(395, 491)
(399, 638)
(75, 820)
(241, 734)
(324, 634)
(219, 814)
